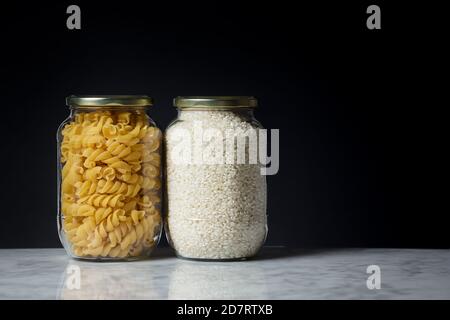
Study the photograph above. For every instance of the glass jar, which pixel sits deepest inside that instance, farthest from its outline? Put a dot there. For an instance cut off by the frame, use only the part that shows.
(109, 178)
(216, 193)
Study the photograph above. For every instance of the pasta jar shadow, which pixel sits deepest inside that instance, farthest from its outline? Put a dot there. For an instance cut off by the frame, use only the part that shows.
(109, 178)
(216, 192)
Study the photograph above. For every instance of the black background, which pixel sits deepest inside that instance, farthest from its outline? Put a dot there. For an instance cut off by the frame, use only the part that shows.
(345, 99)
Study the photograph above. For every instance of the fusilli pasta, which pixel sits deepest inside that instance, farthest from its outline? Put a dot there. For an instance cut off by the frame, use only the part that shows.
(111, 184)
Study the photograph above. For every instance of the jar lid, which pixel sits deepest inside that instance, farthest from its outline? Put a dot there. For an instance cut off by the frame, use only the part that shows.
(215, 101)
(109, 101)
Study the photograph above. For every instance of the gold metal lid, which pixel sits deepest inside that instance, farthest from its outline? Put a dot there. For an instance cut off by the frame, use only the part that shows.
(215, 101)
(109, 101)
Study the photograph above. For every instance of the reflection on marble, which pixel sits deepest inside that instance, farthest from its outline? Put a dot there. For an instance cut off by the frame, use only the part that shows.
(278, 273)
(85, 280)
(211, 280)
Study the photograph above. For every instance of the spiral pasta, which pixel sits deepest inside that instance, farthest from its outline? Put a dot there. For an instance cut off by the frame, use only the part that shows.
(110, 184)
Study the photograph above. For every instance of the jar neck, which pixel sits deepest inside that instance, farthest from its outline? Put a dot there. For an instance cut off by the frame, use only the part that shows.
(193, 113)
(113, 109)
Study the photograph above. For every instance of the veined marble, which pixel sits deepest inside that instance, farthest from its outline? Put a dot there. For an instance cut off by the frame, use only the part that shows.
(277, 273)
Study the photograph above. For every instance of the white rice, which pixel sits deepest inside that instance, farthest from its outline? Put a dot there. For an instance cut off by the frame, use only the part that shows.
(214, 211)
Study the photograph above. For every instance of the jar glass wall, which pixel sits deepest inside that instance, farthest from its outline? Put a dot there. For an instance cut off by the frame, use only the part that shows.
(109, 178)
(216, 194)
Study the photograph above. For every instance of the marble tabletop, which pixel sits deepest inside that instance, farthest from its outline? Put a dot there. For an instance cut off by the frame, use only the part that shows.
(277, 273)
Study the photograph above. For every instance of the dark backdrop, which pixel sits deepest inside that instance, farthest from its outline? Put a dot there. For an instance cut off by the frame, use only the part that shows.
(342, 96)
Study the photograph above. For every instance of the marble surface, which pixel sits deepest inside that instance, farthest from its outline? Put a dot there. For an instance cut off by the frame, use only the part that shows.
(278, 273)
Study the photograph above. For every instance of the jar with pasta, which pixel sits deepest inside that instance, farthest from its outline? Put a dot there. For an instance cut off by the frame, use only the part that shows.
(109, 178)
